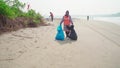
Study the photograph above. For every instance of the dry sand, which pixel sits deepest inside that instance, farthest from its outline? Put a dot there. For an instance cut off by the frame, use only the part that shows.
(98, 46)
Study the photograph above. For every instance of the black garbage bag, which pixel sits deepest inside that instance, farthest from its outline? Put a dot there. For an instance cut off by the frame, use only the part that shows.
(72, 34)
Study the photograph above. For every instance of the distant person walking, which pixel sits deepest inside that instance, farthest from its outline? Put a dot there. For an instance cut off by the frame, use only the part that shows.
(67, 22)
(87, 18)
(51, 16)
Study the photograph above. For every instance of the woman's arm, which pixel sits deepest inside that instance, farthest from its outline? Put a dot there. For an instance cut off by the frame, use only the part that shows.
(71, 20)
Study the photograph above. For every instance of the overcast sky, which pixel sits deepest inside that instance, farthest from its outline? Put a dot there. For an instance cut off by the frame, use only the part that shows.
(75, 7)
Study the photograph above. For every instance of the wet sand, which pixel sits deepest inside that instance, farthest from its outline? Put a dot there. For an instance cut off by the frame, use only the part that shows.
(98, 46)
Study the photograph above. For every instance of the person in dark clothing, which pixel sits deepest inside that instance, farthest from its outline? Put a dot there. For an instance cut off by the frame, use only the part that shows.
(87, 18)
(51, 15)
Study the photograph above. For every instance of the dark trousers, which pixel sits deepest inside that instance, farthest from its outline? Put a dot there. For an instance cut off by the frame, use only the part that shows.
(67, 33)
(51, 18)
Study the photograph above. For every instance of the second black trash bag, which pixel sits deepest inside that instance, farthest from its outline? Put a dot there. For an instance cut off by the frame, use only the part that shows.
(72, 34)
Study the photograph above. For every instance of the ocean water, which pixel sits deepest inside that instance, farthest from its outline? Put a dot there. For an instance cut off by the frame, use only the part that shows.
(115, 20)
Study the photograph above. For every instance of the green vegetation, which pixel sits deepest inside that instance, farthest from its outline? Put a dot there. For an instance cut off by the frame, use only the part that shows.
(12, 9)
(32, 14)
(12, 17)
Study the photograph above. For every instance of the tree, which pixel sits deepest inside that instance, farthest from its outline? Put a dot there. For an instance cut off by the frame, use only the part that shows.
(15, 3)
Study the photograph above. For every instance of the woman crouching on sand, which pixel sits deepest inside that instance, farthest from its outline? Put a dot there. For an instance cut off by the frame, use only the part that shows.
(67, 22)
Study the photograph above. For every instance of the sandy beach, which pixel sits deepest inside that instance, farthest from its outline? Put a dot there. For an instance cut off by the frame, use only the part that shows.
(98, 46)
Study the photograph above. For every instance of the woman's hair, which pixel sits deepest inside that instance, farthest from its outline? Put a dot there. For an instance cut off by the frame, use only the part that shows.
(67, 13)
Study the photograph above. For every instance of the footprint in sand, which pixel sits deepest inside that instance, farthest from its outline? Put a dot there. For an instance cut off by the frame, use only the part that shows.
(35, 41)
(37, 47)
(45, 48)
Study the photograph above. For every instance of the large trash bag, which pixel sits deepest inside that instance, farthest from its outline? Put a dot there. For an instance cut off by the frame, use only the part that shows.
(72, 34)
(60, 33)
